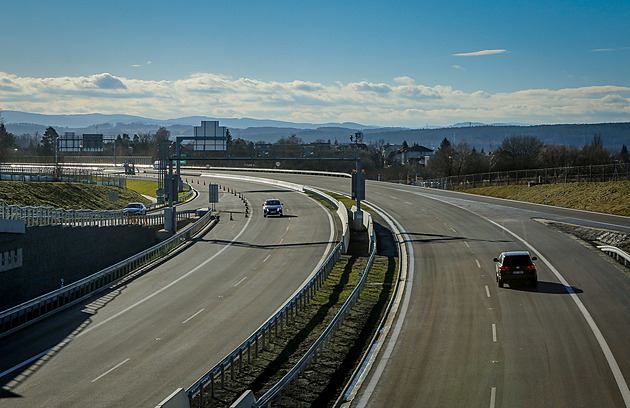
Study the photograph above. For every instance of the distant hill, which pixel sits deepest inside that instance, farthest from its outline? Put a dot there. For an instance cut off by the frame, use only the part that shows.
(480, 136)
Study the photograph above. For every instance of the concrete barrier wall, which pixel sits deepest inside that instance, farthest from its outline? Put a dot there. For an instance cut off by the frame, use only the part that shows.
(52, 253)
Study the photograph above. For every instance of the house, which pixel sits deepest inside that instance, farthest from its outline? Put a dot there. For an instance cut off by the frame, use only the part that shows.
(415, 154)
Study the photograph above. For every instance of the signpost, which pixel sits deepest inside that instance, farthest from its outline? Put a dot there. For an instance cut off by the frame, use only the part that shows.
(213, 195)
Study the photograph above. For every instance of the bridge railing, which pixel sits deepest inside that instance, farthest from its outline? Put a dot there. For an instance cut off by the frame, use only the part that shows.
(36, 309)
(41, 216)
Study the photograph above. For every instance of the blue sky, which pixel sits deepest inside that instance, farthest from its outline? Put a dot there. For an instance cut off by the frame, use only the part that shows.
(405, 63)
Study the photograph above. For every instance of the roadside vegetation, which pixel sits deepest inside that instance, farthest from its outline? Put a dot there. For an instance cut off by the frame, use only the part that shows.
(66, 195)
(610, 197)
(321, 384)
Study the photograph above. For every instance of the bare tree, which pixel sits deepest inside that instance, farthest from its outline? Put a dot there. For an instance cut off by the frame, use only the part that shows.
(518, 152)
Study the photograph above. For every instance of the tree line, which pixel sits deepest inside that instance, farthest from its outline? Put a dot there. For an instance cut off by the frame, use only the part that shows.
(518, 153)
(144, 144)
(513, 153)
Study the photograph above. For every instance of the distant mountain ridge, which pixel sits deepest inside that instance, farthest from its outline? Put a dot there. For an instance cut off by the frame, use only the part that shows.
(91, 119)
(477, 135)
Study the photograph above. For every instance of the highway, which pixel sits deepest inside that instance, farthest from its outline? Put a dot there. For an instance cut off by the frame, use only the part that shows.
(457, 341)
(460, 341)
(166, 327)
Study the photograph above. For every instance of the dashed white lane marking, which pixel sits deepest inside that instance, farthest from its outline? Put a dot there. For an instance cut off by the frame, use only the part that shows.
(494, 332)
(268, 256)
(453, 229)
(493, 396)
(239, 282)
(610, 358)
(109, 371)
(466, 244)
(487, 291)
(192, 317)
(478, 264)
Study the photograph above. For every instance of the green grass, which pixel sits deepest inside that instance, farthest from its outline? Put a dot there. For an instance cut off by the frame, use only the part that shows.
(348, 202)
(610, 197)
(145, 187)
(66, 195)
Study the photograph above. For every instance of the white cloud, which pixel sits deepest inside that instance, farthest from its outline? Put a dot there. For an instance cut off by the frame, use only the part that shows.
(478, 53)
(399, 103)
(460, 68)
(610, 49)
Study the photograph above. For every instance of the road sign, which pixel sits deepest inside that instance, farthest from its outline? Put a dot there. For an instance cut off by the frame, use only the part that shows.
(214, 193)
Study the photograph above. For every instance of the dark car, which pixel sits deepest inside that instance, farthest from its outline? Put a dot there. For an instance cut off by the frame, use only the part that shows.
(516, 266)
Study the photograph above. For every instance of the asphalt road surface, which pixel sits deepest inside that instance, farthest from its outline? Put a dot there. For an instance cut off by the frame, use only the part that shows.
(460, 341)
(165, 328)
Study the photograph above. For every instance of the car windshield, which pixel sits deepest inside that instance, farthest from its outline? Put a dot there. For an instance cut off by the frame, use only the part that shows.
(514, 260)
(272, 202)
(134, 205)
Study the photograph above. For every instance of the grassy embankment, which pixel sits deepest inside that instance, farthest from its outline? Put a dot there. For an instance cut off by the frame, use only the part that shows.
(74, 195)
(611, 197)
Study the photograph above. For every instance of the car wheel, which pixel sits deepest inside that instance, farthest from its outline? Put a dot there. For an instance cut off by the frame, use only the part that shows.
(533, 283)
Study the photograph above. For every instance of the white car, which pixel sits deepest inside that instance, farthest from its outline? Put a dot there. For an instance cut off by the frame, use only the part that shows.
(135, 209)
(272, 206)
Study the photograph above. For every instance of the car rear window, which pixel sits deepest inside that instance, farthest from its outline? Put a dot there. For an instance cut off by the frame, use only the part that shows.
(515, 260)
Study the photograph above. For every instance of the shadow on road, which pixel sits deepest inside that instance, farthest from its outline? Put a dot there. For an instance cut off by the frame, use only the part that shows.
(546, 287)
(439, 237)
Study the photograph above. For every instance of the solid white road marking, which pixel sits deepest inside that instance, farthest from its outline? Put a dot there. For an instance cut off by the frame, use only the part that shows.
(157, 292)
(191, 317)
(610, 358)
(109, 371)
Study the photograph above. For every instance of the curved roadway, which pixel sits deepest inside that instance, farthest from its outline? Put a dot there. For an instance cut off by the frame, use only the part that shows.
(165, 328)
(460, 341)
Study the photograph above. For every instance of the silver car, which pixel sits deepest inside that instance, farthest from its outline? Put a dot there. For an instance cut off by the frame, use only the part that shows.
(135, 209)
(272, 207)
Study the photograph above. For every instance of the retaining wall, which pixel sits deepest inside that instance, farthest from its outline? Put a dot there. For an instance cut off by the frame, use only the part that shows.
(52, 253)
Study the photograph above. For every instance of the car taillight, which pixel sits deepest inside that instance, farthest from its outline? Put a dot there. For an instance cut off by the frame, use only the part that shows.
(530, 267)
(503, 267)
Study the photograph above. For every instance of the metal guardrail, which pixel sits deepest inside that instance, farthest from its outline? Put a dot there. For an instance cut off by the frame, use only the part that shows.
(311, 355)
(41, 216)
(243, 353)
(617, 253)
(21, 172)
(568, 174)
(36, 309)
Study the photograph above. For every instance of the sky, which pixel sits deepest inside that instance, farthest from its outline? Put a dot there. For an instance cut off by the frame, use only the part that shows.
(401, 63)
